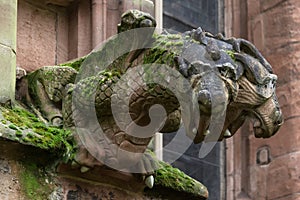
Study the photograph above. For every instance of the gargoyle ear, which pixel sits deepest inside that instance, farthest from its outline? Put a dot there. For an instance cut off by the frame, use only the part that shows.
(255, 72)
(244, 46)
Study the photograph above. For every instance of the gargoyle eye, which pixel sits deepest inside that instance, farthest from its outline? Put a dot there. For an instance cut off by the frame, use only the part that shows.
(146, 23)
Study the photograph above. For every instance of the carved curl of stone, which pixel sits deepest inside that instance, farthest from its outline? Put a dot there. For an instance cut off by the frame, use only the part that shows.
(228, 79)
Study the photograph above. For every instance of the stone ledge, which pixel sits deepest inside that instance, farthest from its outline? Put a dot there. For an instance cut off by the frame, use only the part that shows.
(17, 124)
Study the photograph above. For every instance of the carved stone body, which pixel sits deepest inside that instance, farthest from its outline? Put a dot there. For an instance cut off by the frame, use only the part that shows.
(209, 82)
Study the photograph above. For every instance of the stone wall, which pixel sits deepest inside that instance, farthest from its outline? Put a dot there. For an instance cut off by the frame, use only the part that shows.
(51, 32)
(8, 33)
(268, 168)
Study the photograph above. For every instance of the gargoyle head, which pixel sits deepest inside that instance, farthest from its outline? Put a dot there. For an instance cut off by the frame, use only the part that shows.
(256, 98)
(135, 19)
(233, 82)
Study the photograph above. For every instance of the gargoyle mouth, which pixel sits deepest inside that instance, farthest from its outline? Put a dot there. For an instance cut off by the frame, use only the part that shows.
(265, 126)
(259, 127)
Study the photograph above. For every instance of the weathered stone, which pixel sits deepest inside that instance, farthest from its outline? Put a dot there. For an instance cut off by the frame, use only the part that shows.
(36, 37)
(273, 27)
(283, 175)
(8, 33)
(8, 20)
(8, 73)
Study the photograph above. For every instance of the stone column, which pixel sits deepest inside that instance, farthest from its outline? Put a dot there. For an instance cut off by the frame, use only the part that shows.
(99, 11)
(8, 31)
(276, 30)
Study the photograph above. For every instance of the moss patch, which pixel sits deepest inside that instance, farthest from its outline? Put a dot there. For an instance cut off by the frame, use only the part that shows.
(170, 177)
(30, 130)
(75, 64)
(231, 54)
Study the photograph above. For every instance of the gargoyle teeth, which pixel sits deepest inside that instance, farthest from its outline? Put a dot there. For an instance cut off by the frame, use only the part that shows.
(227, 133)
(149, 181)
(84, 169)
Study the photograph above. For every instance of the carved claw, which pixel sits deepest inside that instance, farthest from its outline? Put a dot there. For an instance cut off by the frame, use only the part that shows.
(207, 132)
(227, 133)
(57, 121)
(204, 100)
(84, 169)
(149, 181)
(182, 66)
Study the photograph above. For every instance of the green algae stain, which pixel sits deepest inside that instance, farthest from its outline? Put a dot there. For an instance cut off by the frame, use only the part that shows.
(32, 180)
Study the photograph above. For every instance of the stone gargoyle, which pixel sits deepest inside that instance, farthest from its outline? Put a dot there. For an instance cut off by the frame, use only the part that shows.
(140, 82)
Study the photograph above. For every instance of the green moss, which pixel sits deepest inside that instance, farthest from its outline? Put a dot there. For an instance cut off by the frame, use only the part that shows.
(174, 36)
(75, 64)
(33, 183)
(231, 54)
(38, 134)
(19, 133)
(173, 178)
(178, 43)
(12, 126)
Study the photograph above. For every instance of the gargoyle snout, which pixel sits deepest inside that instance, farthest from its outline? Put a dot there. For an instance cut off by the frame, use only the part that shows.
(269, 118)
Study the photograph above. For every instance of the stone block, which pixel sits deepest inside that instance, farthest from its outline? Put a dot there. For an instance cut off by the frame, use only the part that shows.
(253, 8)
(8, 73)
(257, 32)
(84, 28)
(263, 156)
(257, 188)
(290, 197)
(36, 45)
(284, 176)
(270, 4)
(60, 2)
(284, 142)
(148, 6)
(8, 19)
(62, 37)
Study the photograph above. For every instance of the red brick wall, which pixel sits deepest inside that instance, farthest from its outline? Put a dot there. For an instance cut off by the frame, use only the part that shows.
(273, 26)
